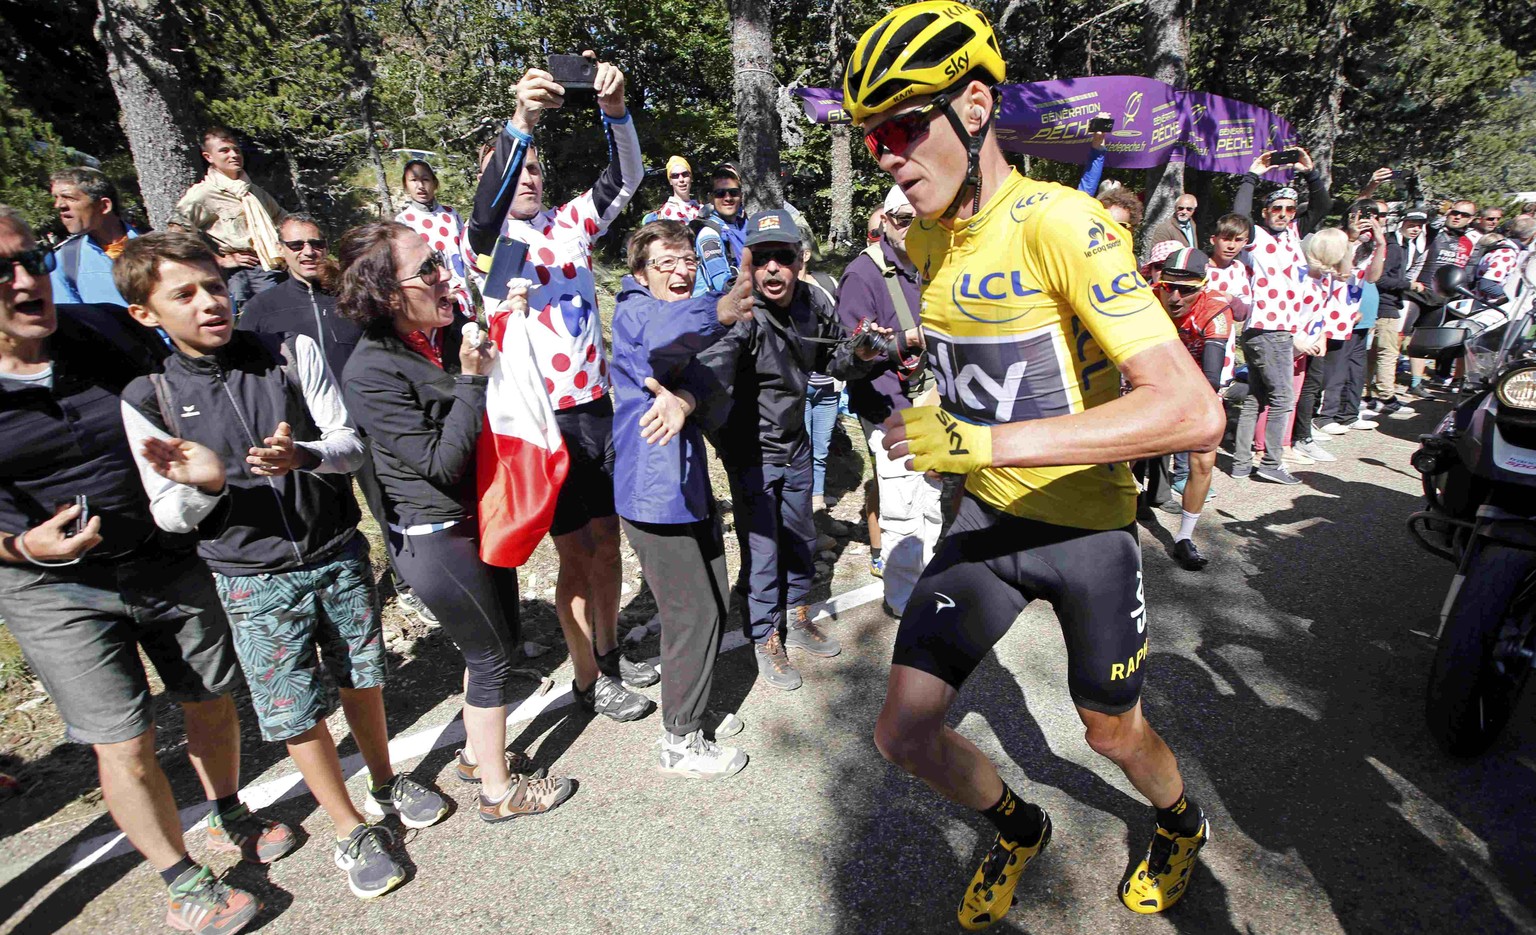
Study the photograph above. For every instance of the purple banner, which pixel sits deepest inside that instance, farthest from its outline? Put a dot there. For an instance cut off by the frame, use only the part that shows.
(1154, 124)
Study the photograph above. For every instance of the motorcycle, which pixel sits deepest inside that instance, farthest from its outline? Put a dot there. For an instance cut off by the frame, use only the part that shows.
(1479, 474)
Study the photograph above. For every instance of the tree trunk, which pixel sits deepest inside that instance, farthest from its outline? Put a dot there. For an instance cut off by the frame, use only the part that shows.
(362, 81)
(757, 111)
(300, 196)
(1335, 41)
(840, 229)
(1165, 34)
(158, 116)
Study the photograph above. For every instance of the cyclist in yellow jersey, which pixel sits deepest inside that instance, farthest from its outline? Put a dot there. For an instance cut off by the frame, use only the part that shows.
(1033, 310)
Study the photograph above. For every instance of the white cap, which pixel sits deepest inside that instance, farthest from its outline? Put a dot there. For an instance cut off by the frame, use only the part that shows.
(895, 198)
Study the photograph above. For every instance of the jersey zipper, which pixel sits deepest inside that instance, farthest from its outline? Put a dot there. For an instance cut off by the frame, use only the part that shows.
(218, 372)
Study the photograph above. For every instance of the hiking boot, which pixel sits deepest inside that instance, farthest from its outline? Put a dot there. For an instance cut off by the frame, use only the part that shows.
(608, 697)
(239, 831)
(526, 797)
(635, 673)
(205, 906)
(1276, 475)
(773, 664)
(718, 724)
(408, 602)
(414, 804)
(371, 872)
(697, 757)
(518, 764)
(807, 634)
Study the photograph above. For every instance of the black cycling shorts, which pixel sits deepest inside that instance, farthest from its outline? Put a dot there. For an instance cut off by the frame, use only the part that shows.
(587, 493)
(992, 564)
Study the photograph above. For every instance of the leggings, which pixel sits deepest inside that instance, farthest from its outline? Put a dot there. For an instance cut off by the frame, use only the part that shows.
(476, 603)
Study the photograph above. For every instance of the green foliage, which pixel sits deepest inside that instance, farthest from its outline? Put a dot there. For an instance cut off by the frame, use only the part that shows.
(29, 152)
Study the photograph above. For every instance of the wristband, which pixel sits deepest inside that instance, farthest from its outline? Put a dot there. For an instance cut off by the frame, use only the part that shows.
(20, 542)
(937, 441)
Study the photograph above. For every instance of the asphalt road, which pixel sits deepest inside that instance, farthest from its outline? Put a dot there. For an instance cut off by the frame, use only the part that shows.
(1288, 677)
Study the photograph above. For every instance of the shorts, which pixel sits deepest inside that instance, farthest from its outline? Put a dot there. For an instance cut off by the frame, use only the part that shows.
(81, 628)
(987, 570)
(301, 633)
(587, 493)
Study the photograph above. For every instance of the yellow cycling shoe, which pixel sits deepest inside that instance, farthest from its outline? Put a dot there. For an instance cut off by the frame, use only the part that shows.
(990, 895)
(1163, 875)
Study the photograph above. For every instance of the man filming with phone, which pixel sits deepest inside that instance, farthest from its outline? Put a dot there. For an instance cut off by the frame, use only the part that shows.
(510, 215)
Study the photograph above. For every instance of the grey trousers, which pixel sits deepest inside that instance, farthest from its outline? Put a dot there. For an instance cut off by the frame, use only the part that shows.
(684, 564)
(1271, 363)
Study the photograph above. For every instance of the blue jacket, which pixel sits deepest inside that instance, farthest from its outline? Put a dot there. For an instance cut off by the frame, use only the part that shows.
(651, 338)
(93, 281)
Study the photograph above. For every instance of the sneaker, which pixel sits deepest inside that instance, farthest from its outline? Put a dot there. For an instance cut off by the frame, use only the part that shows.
(1333, 428)
(1188, 555)
(718, 724)
(635, 673)
(608, 697)
(818, 504)
(371, 872)
(518, 764)
(1292, 456)
(414, 804)
(1162, 877)
(1396, 410)
(1277, 474)
(240, 831)
(1240, 471)
(807, 634)
(1364, 425)
(773, 664)
(1315, 451)
(697, 757)
(990, 895)
(408, 602)
(526, 797)
(202, 904)
(877, 565)
(1421, 391)
(1373, 405)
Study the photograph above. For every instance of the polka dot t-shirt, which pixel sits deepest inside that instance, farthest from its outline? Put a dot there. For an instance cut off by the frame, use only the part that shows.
(1279, 271)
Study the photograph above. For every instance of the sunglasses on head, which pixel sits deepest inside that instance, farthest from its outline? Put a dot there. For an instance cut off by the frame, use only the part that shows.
(727, 193)
(36, 262)
(896, 135)
(318, 243)
(784, 256)
(431, 271)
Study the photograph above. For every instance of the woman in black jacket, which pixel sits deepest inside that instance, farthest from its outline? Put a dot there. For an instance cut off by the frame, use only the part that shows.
(423, 424)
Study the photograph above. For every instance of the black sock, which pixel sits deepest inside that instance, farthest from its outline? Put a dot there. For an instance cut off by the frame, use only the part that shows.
(171, 874)
(874, 552)
(225, 804)
(1015, 819)
(1182, 817)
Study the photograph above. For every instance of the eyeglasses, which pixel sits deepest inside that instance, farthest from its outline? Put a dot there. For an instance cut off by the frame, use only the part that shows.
(727, 193)
(1493, 217)
(1182, 288)
(1184, 208)
(36, 262)
(899, 221)
(431, 272)
(784, 256)
(896, 135)
(667, 264)
(681, 175)
(319, 243)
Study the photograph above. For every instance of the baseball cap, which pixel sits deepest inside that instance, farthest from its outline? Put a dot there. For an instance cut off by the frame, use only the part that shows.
(777, 226)
(1417, 214)
(725, 169)
(895, 198)
(678, 164)
(1186, 264)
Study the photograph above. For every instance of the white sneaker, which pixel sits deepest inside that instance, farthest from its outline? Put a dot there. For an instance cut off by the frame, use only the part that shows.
(1364, 425)
(1295, 456)
(697, 757)
(1316, 452)
(1334, 428)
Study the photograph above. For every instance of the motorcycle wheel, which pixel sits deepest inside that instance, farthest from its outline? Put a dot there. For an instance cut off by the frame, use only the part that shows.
(1469, 700)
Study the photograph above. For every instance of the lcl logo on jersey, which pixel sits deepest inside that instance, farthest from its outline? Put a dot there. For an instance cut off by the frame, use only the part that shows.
(972, 291)
(1101, 295)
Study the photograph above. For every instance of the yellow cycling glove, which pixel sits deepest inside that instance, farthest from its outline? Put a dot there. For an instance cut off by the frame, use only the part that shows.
(937, 441)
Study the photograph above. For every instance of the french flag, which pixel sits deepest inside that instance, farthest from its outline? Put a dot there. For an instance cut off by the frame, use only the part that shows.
(521, 458)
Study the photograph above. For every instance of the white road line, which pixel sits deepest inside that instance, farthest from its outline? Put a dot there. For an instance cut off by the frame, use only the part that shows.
(411, 746)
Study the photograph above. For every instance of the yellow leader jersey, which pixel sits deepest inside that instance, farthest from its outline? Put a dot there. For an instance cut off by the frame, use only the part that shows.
(1029, 308)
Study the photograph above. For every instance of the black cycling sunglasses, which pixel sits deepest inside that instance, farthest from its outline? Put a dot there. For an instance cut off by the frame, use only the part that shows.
(784, 256)
(36, 261)
(727, 193)
(319, 243)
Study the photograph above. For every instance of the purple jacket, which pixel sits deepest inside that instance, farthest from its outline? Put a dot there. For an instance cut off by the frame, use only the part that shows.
(863, 294)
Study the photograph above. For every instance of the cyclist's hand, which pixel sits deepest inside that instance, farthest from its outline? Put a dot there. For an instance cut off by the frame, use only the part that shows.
(50, 541)
(931, 439)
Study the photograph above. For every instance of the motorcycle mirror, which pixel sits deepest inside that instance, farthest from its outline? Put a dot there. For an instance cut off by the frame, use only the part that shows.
(1465, 293)
(1451, 279)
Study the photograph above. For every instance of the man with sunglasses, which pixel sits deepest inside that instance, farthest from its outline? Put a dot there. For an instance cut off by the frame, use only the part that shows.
(762, 366)
(680, 205)
(724, 213)
(1181, 227)
(1279, 268)
(1460, 233)
(1033, 311)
